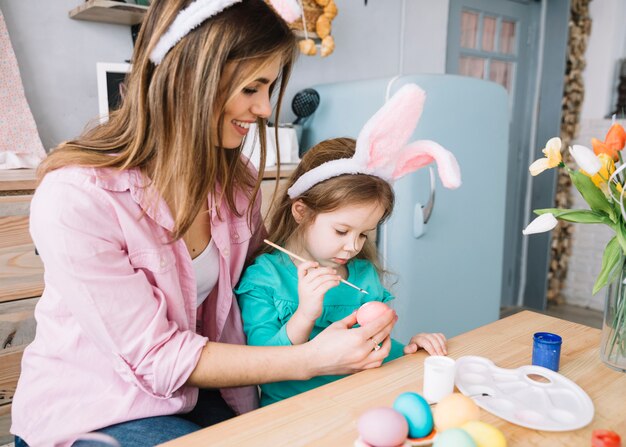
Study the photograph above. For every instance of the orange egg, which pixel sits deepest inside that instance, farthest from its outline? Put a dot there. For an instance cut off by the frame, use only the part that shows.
(455, 410)
(370, 311)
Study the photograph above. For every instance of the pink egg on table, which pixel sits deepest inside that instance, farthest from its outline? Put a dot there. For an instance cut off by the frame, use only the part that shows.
(383, 427)
(370, 311)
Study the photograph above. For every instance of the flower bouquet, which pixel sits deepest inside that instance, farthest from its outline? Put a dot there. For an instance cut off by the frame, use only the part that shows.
(600, 181)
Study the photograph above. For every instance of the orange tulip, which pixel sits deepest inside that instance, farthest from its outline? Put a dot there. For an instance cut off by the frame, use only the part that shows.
(600, 147)
(616, 137)
(612, 144)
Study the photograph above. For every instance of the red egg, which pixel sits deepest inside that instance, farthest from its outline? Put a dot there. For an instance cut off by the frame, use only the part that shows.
(370, 311)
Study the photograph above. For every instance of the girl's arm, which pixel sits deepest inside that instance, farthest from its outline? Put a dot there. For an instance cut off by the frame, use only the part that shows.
(336, 350)
(313, 283)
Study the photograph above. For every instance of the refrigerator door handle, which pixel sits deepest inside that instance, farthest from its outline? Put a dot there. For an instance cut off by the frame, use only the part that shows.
(422, 213)
(428, 208)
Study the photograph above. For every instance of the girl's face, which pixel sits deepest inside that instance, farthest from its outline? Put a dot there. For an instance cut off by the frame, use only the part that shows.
(338, 236)
(250, 103)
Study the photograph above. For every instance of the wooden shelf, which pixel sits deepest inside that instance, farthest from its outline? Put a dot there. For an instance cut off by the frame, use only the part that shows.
(286, 169)
(109, 11)
(17, 180)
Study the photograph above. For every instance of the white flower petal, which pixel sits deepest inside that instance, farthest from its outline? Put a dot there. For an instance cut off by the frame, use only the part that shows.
(538, 166)
(541, 224)
(554, 144)
(586, 159)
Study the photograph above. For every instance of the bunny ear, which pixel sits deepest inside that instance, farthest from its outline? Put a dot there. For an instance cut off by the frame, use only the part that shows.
(386, 133)
(289, 10)
(423, 152)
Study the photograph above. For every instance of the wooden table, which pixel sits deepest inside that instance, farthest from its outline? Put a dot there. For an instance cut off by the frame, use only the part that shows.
(327, 416)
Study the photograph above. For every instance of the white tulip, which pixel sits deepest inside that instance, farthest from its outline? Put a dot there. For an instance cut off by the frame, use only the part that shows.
(541, 224)
(586, 159)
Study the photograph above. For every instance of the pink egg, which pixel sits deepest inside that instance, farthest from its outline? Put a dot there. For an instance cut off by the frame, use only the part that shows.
(370, 311)
(383, 427)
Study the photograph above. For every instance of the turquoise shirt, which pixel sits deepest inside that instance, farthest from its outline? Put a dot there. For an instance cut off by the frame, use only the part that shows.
(268, 297)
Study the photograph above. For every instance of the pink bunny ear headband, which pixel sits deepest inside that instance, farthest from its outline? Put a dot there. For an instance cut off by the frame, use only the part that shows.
(382, 150)
(199, 11)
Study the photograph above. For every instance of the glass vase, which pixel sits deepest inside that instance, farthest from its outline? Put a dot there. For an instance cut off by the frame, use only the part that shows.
(613, 344)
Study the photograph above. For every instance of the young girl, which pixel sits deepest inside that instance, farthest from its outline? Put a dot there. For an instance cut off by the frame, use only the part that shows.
(335, 200)
(143, 225)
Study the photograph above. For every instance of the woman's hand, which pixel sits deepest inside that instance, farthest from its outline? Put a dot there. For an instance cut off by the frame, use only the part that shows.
(434, 344)
(313, 283)
(342, 350)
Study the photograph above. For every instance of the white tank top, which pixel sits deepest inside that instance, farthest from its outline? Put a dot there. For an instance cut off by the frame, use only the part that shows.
(206, 266)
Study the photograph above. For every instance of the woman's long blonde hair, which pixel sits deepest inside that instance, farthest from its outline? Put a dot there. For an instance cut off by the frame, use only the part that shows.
(329, 195)
(163, 125)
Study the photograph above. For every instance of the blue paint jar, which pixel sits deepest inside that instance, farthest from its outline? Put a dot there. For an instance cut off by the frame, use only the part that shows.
(547, 350)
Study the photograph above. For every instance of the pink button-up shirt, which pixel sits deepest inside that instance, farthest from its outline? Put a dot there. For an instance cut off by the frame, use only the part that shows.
(118, 331)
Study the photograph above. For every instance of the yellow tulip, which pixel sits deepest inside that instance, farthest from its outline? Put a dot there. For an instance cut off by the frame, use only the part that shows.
(552, 158)
(601, 178)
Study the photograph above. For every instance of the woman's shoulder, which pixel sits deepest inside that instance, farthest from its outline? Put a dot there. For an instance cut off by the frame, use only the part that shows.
(76, 189)
(91, 177)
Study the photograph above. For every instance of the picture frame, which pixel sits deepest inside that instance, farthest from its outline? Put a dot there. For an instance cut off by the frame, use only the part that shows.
(110, 78)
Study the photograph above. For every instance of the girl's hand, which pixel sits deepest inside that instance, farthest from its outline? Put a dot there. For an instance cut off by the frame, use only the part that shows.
(313, 283)
(434, 344)
(341, 350)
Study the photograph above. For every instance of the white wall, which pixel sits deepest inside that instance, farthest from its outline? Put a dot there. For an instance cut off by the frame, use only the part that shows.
(57, 56)
(607, 45)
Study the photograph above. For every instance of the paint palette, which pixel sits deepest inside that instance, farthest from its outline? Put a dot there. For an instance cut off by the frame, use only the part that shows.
(530, 396)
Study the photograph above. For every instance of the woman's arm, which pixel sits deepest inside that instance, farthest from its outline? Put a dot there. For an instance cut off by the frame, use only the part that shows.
(336, 350)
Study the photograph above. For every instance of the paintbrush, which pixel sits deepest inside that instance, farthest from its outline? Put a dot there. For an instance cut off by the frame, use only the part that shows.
(301, 259)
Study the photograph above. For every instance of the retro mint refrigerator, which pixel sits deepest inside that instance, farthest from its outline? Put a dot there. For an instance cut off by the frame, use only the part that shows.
(446, 274)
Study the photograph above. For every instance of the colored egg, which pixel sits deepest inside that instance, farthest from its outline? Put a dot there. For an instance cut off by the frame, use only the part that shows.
(484, 435)
(370, 311)
(454, 410)
(454, 437)
(417, 413)
(383, 427)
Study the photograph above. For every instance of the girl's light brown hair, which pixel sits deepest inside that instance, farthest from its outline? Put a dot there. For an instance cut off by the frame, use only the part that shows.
(163, 126)
(329, 195)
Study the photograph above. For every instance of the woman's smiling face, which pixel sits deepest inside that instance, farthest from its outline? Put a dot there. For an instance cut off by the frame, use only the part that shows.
(248, 104)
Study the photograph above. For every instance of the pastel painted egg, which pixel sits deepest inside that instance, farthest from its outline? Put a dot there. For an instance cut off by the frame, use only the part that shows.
(484, 435)
(370, 311)
(454, 437)
(383, 427)
(454, 410)
(417, 413)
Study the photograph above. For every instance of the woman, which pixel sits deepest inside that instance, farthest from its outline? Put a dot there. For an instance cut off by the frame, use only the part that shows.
(144, 224)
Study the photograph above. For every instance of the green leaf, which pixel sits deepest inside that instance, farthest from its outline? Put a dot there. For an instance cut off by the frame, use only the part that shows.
(610, 260)
(621, 235)
(579, 216)
(592, 194)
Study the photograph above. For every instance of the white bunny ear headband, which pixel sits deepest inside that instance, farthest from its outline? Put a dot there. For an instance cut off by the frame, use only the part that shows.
(199, 11)
(382, 150)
